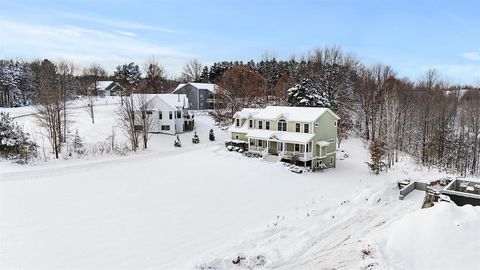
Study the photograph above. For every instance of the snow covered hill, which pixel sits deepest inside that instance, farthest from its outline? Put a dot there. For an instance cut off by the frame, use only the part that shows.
(202, 207)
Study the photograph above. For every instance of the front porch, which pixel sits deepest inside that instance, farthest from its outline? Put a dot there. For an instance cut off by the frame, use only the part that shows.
(283, 150)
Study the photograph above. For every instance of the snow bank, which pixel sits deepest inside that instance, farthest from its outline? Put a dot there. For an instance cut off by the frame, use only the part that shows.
(442, 237)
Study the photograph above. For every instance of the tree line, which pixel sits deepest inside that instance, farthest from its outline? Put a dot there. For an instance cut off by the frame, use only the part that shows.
(435, 122)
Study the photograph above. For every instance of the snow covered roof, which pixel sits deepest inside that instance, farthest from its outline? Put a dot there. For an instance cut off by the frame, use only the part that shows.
(175, 100)
(246, 113)
(172, 100)
(294, 137)
(208, 86)
(102, 85)
(261, 134)
(301, 114)
(105, 85)
(323, 143)
(242, 129)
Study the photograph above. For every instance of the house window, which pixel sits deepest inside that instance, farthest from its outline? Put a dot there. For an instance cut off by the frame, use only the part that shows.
(179, 114)
(260, 125)
(332, 140)
(165, 127)
(267, 125)
(316, 124)
(237, 122)
(170, 115)
(297, 147)
(282, 125)
(236, 137)
(160, 115)
(319, 163)
(260, 143)
(308, 147)
(252, 142)
(335, 123)
(331, 160)
(250, 123)
(305, 128)
(297, 127)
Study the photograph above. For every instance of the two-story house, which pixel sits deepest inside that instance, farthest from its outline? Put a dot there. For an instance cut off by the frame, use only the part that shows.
(200, 95)
(169, 112)
(305, 134)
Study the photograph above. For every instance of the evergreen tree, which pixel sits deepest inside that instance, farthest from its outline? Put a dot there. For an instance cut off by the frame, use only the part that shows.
(377, 156)
(78, 147)
(128, 75)
(14, 142)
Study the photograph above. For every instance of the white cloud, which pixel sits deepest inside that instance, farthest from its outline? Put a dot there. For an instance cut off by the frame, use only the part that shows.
(472, 56)
(120, 23)
(125, 33)
(83, 45)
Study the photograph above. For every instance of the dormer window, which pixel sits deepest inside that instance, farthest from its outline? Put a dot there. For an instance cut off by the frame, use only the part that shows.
(267, 125)
(250, 123)
(282, 125)
(260, 125)
(237, 122)
(306, 128)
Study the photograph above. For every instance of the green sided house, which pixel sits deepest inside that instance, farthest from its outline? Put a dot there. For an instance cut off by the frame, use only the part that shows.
(297, 134)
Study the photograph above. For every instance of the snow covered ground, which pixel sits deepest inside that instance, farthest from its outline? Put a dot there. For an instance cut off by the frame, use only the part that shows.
(202, 207)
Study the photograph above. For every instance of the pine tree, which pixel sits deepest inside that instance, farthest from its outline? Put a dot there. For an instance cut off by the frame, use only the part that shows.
(377, 156)
(78, 147)
(14, 142)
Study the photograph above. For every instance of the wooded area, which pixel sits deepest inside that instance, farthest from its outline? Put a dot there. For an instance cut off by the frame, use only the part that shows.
(435, 122)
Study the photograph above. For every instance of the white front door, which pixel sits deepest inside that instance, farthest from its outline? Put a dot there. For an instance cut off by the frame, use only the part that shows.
(279, 146)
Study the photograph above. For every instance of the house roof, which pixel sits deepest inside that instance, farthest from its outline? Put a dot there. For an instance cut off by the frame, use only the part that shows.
(242, 129)
(172, 100)
(246, 113)
(301, 114)
(294, 137)
(208, 86)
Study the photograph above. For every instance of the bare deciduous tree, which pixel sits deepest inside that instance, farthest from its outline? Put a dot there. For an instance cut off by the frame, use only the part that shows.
(92, 74)
(192, 71)
(155, 78)
(144, 117)
(127, 121)
(50, 103)
(66, 84)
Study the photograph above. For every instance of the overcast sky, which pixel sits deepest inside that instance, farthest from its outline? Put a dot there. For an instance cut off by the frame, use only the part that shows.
(411, 36)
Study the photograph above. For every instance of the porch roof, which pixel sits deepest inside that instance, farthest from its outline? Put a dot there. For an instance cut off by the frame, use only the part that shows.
(323, 143)
(283, 136)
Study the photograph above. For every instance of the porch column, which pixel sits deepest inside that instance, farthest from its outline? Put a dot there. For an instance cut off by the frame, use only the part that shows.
(305, 152)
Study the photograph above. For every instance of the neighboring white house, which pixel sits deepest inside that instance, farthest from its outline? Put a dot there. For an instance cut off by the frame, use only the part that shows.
(169, 112)
(304, 134)
(105, 88)
(200, 95)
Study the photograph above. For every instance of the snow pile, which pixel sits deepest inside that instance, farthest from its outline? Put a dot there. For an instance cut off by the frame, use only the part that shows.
(442, 237)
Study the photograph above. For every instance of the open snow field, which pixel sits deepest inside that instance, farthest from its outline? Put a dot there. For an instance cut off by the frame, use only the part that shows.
(202, 207)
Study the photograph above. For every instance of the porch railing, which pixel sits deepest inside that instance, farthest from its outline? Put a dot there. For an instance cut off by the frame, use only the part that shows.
(257, 149)
(299, 155)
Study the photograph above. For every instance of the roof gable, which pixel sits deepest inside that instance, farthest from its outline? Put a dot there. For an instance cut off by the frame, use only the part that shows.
(207, 86)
